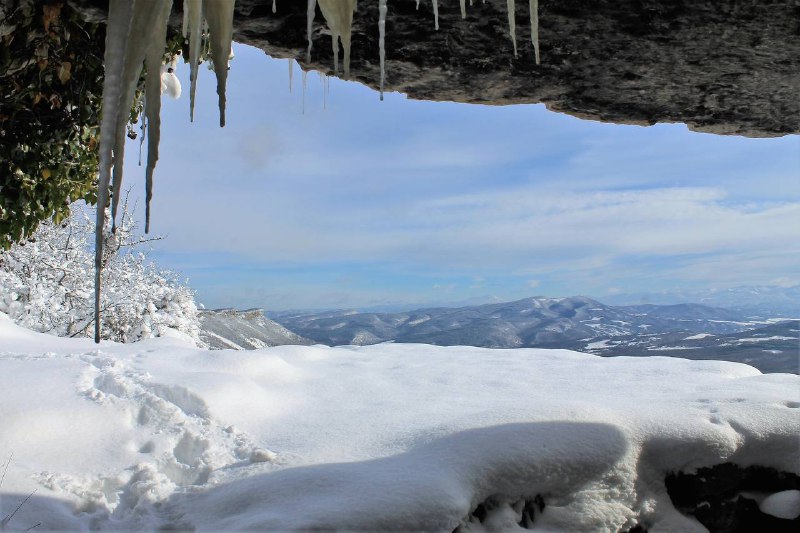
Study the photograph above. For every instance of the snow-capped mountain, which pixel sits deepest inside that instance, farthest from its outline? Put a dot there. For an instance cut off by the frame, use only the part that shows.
(690, 331)
(529, 322)
(224, 329)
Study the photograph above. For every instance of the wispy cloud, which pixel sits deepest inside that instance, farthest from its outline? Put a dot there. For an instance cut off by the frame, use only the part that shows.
(506, 200)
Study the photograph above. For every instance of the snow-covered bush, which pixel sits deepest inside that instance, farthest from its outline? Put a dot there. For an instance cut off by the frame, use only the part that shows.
(47, 283)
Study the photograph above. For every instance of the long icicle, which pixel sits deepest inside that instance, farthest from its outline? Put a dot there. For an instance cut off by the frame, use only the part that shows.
(382, 40)
(463, 9)
(219, 15)
(512, 23)
(436, 14)
(143, 18)
(117, 31)
(311, 11)
(155, 54)
(534, 8)
(185, 26)
(291, 73)
(339, 16)
(194, 17)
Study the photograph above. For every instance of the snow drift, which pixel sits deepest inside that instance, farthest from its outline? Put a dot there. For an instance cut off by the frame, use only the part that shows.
(160, 434)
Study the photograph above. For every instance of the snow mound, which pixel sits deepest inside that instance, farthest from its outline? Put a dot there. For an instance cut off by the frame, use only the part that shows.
(162, 435)
(784, 504)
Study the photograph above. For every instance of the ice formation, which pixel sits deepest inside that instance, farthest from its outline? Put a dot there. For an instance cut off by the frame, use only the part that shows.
(436, 14)
(463, 9)
(219, 15)
(534, 9)
(193, 21)
(311, 12)
(339, 15)
(382, 39)
(512, 24)
(153, 86)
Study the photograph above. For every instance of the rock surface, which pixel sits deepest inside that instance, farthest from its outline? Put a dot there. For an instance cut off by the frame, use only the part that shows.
(720, 66)
(729, 67)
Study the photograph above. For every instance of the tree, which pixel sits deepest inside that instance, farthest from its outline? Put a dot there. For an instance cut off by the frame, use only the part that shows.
(47, 283)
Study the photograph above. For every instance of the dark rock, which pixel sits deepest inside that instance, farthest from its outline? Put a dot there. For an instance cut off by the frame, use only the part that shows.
(720, 66)
(714, 496)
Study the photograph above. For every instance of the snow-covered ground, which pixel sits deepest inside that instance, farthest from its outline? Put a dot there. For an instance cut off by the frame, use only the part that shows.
(160, 434)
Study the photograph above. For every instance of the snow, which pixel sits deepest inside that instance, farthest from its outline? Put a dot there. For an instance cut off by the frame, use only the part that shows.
(162, 435)
(698, 337)
(670, 348)
(764, 339)
(784, 504)
(598, 345)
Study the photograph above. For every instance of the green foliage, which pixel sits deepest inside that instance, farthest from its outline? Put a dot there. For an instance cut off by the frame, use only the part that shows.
(51, 83)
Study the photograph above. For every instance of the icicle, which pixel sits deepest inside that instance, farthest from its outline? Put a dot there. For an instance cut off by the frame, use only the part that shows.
(417, 5)
(534, 8)
(436, 14)
(143, 18)
(219, 15)
(464, 9)
(512, 24)
(153, 102)
(339, 16)
(185, 29)
(291, 73)
(274, 7)
(194, 16)
(305, 87)
(311, 12)
(382, 39)
(117, 30)
(142, 137)
(325, 83)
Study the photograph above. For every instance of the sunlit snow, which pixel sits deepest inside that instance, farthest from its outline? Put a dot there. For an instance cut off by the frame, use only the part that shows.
(159, 434)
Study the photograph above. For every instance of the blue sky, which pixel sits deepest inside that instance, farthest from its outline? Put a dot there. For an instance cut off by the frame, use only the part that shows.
(359, 203)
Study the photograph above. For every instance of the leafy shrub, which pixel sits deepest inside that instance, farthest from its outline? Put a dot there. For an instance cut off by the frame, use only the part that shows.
(51, 75)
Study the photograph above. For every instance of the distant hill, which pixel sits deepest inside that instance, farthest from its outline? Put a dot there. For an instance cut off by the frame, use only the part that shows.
(771, 348)
(523, 323)
(765, 300)
(243, 330)
(578, 323)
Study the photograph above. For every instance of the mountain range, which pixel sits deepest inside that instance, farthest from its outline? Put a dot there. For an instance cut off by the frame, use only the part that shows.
(529, 322)
(578, 323)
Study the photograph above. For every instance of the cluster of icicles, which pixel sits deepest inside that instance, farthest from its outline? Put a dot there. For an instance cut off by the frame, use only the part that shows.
(136, 38)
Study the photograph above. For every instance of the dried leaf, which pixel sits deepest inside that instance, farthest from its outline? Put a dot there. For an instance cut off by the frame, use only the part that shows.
(50, 14)
(65, 71)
